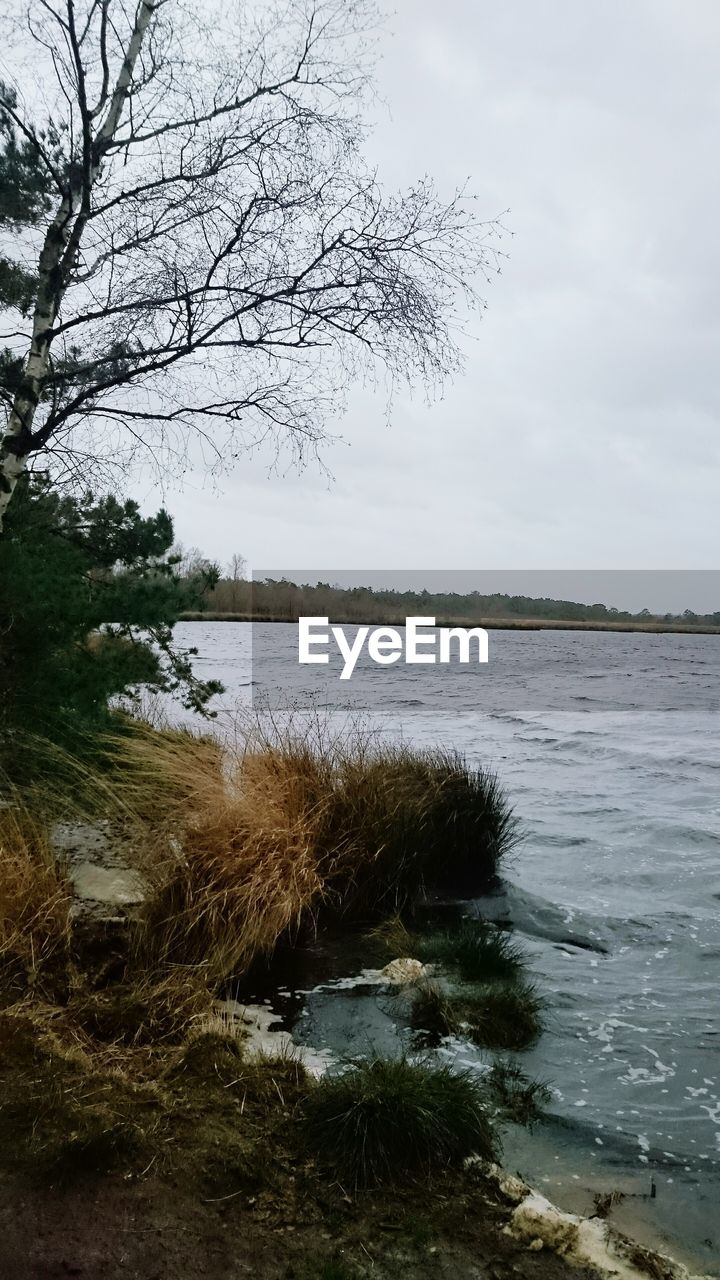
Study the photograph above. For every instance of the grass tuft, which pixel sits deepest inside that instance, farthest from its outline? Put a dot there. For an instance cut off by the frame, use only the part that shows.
(521, 1099)
(416, 816)
(253, 841)
(479, 951)
(503, 1017)
(433, 1014)
(495, 1017)
(387, 1119)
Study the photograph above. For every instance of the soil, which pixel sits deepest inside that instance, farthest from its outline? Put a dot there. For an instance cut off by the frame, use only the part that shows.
(135, 1164)
(109, 1229)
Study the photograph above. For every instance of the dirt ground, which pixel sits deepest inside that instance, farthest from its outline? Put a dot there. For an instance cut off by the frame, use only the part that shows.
(112, 1229)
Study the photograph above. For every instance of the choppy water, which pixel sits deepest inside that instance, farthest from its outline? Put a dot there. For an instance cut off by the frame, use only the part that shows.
(608, 746)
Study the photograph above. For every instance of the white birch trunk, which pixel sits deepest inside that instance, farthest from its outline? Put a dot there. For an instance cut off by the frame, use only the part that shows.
(51, 290)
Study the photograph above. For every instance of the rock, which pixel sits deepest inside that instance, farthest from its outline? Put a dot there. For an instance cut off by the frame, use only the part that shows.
(404, 970)
(108, 895)
(589, 1242)
(513, 1187)
(535, 1218)
(585, 1242)
(112, 886)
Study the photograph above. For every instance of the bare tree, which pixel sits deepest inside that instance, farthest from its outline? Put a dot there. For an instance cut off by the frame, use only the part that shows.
(237, 567)
(190, 562)
(202, 252)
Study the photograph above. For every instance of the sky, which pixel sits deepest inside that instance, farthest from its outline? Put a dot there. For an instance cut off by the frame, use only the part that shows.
(583, 431)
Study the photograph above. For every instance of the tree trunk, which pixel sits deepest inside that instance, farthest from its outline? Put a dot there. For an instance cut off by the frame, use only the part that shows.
(63, 235)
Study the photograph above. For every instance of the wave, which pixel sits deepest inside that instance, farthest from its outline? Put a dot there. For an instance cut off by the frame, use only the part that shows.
(538, 918)
(625, 1146)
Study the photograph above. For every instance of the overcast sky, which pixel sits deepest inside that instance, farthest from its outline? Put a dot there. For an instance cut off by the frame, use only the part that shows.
(583, 433)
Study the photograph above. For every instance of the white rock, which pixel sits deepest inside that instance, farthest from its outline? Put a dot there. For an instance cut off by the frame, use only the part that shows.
(589, 1242)
(513, 1187)
(535, 1218)
(404, 969)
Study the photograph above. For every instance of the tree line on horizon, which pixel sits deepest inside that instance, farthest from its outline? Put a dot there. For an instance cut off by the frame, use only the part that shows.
(234, 593)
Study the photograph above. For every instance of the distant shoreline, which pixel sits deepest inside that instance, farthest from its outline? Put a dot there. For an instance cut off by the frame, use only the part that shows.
(491, 624)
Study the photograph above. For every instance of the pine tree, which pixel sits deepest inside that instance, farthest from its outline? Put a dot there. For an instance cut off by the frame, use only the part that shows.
(88, 599)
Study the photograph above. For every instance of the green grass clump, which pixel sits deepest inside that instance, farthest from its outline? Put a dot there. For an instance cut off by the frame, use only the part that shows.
(479, 951)
(521, 1099)
(503, 1017)
(495, 1017)
(385, 1119)
(413, 816)
(433, 1014)
(471, 827)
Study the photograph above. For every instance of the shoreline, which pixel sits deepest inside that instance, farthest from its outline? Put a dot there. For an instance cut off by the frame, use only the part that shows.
(542, 1157)
(490, 624)
(565, 1173)
(130, 1092)
(287, 1217)
(157, 1230)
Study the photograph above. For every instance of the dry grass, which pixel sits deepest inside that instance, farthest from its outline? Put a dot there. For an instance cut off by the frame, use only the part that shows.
(234, 861)
(68, 1109)
(61, 784)
(74, 1107)
(34, 904)
(392, 938)
(247, 842)
(155, 1011)
(242, 844)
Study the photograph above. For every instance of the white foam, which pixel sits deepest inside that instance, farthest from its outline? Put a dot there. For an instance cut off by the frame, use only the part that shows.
(260, 1037)
(590, 1242)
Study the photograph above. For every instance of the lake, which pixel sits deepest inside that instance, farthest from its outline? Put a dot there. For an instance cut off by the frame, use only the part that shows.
(608, 747)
